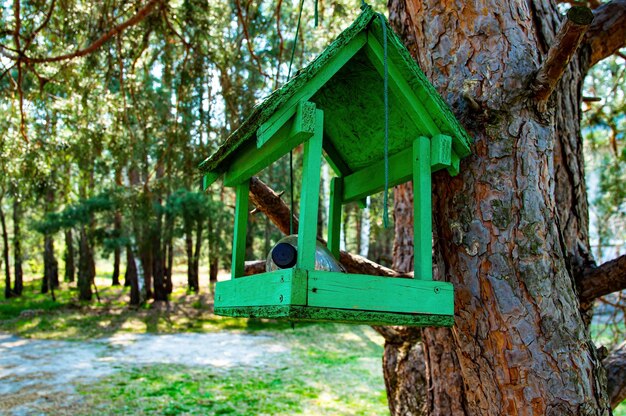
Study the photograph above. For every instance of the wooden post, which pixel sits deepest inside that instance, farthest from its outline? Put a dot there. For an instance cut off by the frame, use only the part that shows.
(422, 209)
(334, 216)
(241, 225)
(307, 233)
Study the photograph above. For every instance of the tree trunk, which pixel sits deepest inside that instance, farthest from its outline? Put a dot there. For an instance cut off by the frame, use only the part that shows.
(131, 277)
(158, 263)
(69, 256)
(85, 261)
(50, 264)
(197, 251)
(511, 230)
(18, 278)
(192, 277)
(117, 252)
(8, 293)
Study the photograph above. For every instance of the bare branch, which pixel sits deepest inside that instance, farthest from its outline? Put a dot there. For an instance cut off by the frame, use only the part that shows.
(615, 365)
(565, 45)
(269, 202)
(138, 17)
(607, 34)
(254, 267)
(244, 26)
(599, 281)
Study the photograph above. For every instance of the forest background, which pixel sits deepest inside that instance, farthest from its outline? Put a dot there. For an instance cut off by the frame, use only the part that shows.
(106, 119)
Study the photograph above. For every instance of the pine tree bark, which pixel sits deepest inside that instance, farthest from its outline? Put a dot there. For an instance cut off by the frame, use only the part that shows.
(132, 278)
(511, 230)
(18, 278)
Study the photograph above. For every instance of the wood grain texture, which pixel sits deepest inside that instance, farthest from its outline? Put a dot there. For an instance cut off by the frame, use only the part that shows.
(375, 293)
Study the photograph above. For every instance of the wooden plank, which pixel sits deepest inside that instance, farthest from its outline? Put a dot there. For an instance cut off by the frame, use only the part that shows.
(334, 159)
(399, 87)
(377, 293)
(252, 160)
(315, 314)
(422, 210)
(309, 200)
(239, 232)
(371, 179)
(334, 216)
(303, 121)
(440, 152)
(272, 288)
(325, 73)
(208, 179)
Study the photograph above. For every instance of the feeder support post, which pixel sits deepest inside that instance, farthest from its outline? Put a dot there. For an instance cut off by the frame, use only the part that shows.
(310, 197)
(422, 214)
(239, 232)
(334, 216)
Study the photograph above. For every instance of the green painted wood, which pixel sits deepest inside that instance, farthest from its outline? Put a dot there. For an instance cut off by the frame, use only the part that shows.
(377, 293)
(300, 88)
(423, 89)
(371, 179)
(422, 210)
(273, 288)
(400, 87)
(440, 152)
(303, 114)
(314, 314)
(240, 229)
(252, 160)
(208, 179)
(334, 158)
(310, 196)
(334, 216)
(322, 72)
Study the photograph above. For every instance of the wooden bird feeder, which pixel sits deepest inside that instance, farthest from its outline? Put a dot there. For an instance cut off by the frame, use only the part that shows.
(335, 108)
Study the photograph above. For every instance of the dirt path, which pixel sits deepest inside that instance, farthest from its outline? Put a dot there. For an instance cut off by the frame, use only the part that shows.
(36, 373)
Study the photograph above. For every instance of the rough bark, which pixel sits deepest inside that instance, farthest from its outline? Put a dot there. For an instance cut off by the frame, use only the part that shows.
(563, 48)
(608, 31)
(18, 278)
(158, 258)
(599, 281)
(615, 365)
(519, 338)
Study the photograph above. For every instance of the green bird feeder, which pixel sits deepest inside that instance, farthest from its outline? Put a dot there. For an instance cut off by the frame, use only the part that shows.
(335, 107)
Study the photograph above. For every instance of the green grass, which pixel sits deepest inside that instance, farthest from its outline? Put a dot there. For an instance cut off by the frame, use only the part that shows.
(332, 369)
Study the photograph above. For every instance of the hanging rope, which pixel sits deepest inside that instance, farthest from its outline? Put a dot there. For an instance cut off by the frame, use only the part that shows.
(293, 54)
(386, 99)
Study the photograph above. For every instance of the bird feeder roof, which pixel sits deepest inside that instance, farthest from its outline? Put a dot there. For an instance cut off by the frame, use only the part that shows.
(346, 82)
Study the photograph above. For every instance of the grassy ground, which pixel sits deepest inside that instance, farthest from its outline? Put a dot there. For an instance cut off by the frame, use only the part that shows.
(331, 369)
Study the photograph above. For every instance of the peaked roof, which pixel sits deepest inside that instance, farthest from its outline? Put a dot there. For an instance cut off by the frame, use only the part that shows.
(345, 81)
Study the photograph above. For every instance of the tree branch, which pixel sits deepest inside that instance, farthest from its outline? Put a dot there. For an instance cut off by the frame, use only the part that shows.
(607, 34)
(565, 45)
(599, 281)
(269, 202)
(615, 365)
(138, 17)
